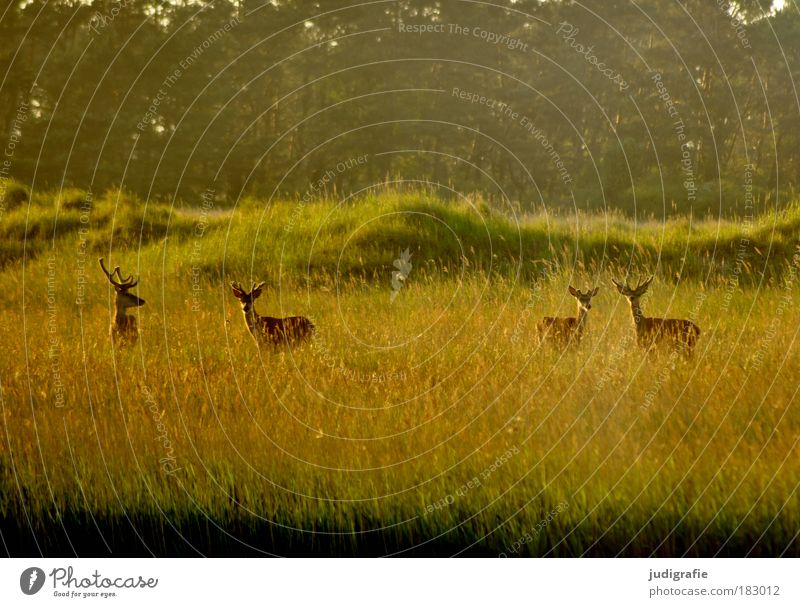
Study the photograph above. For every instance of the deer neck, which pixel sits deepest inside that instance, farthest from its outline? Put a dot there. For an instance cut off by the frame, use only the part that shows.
(250, 316)
(121, 316)
(636, 312)
(123, 321)
(582, 314)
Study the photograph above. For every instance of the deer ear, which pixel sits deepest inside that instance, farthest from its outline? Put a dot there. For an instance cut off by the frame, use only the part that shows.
(257, 288)
(573, 292)
(596, 289)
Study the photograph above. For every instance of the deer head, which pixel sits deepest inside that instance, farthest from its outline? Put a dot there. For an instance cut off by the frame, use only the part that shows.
(247, 298)
(634, 294)
(584, 299)
(122, 286)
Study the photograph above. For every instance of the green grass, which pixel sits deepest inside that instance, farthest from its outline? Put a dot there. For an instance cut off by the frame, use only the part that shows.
(375, 432)
(361, 237)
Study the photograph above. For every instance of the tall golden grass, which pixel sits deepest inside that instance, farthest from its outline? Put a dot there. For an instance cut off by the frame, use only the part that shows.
(431, 424)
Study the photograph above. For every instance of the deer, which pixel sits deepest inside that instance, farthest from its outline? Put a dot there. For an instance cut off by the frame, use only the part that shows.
(564, 331)
(265, 329)
(679, 333)
(123, 326)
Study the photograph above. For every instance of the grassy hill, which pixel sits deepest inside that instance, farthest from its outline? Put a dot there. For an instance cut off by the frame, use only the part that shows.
(321, 239)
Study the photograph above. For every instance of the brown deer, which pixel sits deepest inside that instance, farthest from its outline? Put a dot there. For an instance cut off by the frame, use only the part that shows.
(265, 329)
(123, 326)
(563, 331)
(679, 333)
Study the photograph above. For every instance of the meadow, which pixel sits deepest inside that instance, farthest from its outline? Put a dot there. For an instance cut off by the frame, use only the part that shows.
(430, 422)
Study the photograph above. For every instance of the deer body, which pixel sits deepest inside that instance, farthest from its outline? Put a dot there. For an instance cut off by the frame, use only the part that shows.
(266, 329)
(677, 332)
(123, 328)
(563, 331)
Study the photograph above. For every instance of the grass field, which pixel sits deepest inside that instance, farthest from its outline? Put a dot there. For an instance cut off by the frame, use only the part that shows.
(430, 424)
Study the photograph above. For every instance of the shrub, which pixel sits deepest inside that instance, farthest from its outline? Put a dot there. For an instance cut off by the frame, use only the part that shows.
(12, 194)
(70, 199)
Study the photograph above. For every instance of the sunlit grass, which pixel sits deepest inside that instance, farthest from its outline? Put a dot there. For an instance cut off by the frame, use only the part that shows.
(396, 407)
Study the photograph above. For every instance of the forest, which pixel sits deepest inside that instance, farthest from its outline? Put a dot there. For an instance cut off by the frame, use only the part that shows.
(654, 108)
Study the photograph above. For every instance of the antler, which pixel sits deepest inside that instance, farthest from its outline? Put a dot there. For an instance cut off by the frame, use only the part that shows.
(641, 286)
(124, 283)
(110, 275)
(622, 287)
(127, 283)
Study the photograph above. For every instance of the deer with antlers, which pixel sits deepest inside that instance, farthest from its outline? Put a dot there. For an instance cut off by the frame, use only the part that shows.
(679, 333)
(123, 326)
(265, 329)
(563, 331)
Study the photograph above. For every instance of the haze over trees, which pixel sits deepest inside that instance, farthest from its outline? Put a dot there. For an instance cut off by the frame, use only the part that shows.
(655, 106)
